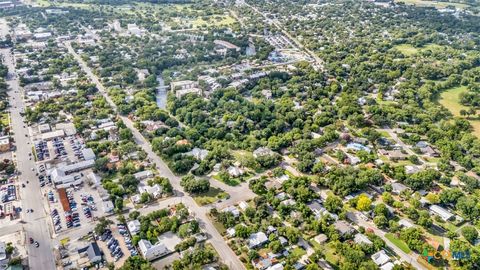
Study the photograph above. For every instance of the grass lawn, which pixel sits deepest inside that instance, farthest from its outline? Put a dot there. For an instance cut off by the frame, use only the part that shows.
(330, 255)
(298, 252)
(231, 181)
(5, 119)
(406, 49)
(219, 226)
(397, 242)
(409, 50)
(436, 4)
(450, 99)
(211, 196)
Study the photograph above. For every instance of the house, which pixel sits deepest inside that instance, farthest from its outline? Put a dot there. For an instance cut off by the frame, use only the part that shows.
(358, 147)
(441, 212)
(262, 151)
(231, 232)
(320, 239)
(352, 160)
(343, 228)
(235, 171)
(243, 205)
(410, 169)
(257, 239)
(4, 143)
(397, 188)
(133, 226)
(324, 265)
(277, 266)
(317, 208)
(151, 252)
(393, 155)
(380, 258)
(233, 210)
(387, 266)
(362, 239)
(143, 175)
(198, 153)
(155, 190)
(405, 223)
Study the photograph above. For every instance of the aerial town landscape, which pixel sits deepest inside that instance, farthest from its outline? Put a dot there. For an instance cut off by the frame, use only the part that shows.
(239, 134)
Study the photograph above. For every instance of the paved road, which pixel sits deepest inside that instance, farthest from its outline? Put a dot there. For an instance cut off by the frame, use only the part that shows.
(224, 251)
(318, 61)
(36, 225)
(406, 147)
(410, 258)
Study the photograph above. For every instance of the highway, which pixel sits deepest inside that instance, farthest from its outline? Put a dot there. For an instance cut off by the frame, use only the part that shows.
(224, 251)
(31, 197)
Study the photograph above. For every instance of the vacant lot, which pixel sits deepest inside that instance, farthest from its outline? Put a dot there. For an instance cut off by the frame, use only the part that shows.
(435, 4)
(211, 196)
(450, 99)
(397, 242)
(409, 50)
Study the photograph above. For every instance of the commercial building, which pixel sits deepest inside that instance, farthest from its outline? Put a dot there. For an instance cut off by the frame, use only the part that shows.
(151, 252)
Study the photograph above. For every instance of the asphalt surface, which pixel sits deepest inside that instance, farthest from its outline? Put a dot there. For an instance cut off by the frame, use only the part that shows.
(35, 224)
(410, 258)
(224, 251)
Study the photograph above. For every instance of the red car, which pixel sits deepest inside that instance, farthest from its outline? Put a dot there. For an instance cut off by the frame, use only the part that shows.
(31, 240)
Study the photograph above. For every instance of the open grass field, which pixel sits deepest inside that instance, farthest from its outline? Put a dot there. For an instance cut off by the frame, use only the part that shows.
(211, 196)
(409, 50)
(450, 99)
(397, 242)
(436, 4)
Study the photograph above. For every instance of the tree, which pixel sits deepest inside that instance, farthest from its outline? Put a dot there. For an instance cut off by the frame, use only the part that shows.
(101, 164)
(387, 198)
(192, 185)
(433, 198)
(470, 233)
(380, 221)
(333, 204)
(136, 263)
(102, 225)
(363, 203)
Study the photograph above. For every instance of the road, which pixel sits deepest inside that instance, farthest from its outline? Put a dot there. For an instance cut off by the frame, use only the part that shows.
(410, 258)
(36, 225)
(404, 146)
(224, 251)
(318, 61)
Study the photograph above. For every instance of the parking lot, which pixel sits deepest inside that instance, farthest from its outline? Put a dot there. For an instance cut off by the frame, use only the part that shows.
(116, 244)
(72, 207)
(59, 149)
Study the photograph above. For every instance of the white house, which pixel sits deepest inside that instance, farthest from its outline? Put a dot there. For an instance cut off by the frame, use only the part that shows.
(380, 258)
(151, 252)
(232, 209)
(133, 226)
(441, 212)
(257, 239)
